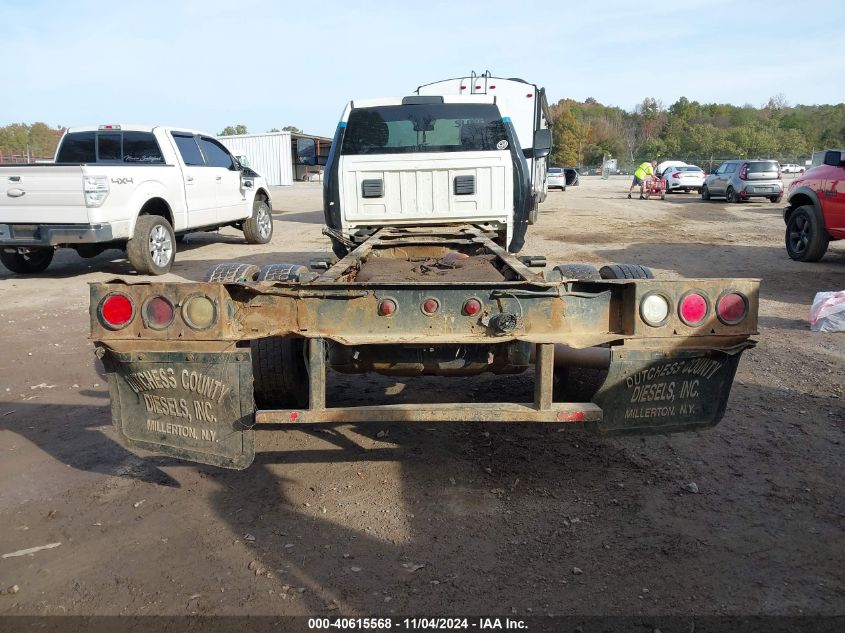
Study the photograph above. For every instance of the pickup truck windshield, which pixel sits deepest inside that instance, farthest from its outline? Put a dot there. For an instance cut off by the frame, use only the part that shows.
(110, 148)
(408, 129)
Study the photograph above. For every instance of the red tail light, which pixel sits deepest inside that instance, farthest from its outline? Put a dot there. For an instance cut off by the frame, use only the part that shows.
(732, 308)
(386, 307)
(743, 171)
(472, 307)
(158, 313)
(677, 174)
(430, 306)
(116, 311)
(693, 308)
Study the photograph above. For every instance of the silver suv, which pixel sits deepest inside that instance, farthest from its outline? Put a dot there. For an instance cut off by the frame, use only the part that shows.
(744, 179)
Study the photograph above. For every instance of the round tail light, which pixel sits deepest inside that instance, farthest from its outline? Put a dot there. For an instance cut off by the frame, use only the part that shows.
(117, 311)
(199, 312)
(430, 306)
(158, 313)
(386, 307)
(472, 307)
(693, 308)
(732, 308)
(654, 309)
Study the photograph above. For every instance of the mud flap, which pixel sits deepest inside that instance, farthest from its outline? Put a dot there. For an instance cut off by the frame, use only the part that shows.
(648, 391)
(194, 406)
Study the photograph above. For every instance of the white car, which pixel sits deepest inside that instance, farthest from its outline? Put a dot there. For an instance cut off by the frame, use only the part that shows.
(556, 178)
(131, 187)
(683, 178)
(666, 164)
(791, 168)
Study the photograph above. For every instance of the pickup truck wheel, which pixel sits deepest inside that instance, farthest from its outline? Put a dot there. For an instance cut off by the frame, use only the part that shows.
(231, 273)
(625, 271)
(152, 249)
(259, 228)
(32, 260)
(279, 374)
(806, 238)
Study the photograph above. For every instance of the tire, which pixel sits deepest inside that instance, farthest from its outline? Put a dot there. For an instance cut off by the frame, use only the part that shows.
(34, 260)
(281, 272)
(776, 199)
(625, 271)
(280, 375)
(152, 249)
(231, 273)
(586, 272)
(806, 238)
(730, 196)
(339, 249)
(705, 193)
(258, 229)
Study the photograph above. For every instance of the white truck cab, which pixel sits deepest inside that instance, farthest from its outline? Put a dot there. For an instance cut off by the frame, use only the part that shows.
(429, 160)
(134, 187)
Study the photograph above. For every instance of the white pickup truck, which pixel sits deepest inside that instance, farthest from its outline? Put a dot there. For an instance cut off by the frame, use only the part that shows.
(130, 187)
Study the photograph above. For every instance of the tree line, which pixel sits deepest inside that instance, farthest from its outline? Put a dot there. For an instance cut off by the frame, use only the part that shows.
(586, 132)
(22, 140)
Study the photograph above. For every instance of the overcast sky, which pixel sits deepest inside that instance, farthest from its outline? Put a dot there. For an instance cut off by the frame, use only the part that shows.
(207, 64)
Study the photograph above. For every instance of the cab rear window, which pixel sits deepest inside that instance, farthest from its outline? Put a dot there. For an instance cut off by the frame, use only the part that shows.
(404, 129)
(110, 147)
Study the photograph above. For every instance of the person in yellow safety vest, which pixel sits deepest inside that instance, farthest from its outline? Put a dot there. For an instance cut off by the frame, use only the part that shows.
(644, 170)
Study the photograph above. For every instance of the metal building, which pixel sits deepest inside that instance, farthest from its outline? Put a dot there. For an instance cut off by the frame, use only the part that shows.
(278, 156)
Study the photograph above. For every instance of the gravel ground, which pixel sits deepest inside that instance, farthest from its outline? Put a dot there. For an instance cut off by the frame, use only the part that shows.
(484, 518)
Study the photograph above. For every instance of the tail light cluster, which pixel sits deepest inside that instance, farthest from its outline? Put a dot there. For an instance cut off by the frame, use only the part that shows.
(429, 306)
(694, 308)
(117, 310)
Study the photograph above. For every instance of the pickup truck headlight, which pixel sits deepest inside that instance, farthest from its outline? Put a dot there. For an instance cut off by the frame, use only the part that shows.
(96, 190)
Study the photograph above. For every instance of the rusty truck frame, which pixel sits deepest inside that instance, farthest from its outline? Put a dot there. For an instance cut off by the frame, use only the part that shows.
(196, 368)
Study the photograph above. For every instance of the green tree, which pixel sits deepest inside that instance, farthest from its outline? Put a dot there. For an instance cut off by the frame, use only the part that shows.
(231, 130)
(291, 128)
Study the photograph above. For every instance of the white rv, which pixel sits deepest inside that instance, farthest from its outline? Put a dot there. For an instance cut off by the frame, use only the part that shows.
(525, 103)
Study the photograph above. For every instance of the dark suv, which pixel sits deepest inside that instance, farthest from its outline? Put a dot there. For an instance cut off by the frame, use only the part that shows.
(815, 214)
(738, 180)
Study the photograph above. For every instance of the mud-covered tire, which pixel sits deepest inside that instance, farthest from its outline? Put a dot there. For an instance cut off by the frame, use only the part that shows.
(231, 273)
(625, 271)
(281, 272)
(806, 238)
(152, 249)
(35, 260)
(280, 375)
(575, 270)
(258, 228)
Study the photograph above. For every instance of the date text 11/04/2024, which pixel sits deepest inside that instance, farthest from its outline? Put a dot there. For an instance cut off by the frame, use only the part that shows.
(417, 624)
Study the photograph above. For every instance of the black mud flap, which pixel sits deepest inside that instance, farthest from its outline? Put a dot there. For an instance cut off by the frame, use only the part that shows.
(647, 391)
(195, 406)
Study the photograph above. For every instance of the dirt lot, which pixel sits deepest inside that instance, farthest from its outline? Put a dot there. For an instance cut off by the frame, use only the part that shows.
(483, 519)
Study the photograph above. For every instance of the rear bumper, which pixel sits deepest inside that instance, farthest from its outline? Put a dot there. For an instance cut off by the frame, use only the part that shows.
(761, 191)
(54, 234)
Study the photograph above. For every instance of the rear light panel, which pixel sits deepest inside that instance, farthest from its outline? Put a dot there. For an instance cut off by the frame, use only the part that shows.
(743, 172)
(695, 308)
(199, 312)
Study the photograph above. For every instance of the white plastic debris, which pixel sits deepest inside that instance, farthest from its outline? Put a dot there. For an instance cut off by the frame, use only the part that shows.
(828, 312)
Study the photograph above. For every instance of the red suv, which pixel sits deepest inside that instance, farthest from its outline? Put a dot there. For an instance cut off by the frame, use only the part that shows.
(815, 214)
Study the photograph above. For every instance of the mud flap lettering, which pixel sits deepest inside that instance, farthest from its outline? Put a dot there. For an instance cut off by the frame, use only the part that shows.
(654, 392)
(200, 409)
